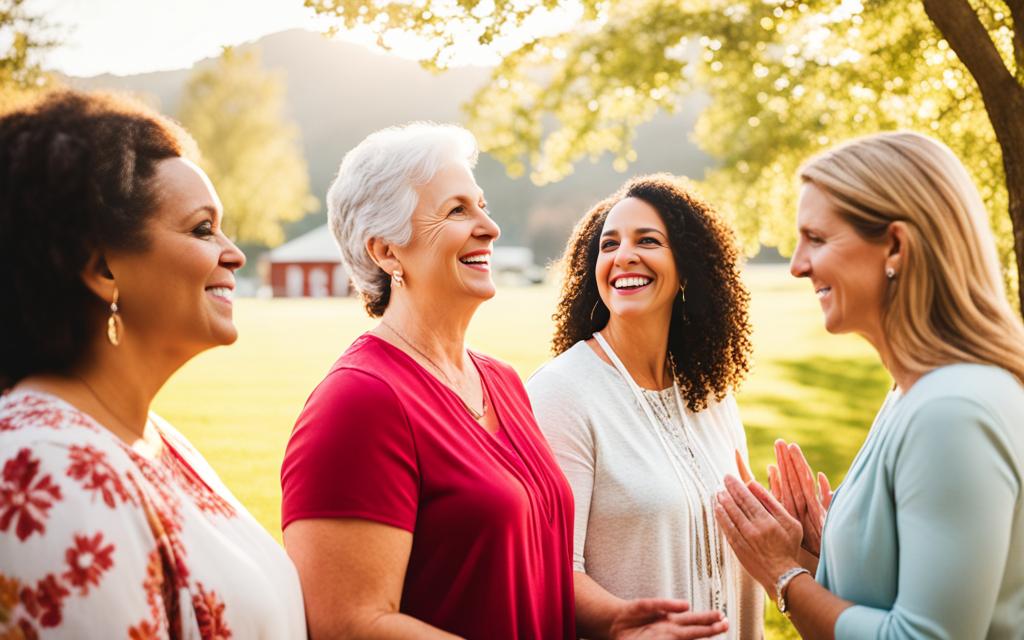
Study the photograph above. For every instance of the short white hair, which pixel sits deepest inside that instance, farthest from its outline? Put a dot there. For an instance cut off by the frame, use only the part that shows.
(374, 194)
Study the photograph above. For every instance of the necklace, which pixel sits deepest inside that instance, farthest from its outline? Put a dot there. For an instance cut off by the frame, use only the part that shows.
(106, 407)
(708, 568)
(448, 381)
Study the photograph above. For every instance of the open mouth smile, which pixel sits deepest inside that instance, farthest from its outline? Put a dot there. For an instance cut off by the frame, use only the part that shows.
(222, 293)
(478, 260)
(630, 283)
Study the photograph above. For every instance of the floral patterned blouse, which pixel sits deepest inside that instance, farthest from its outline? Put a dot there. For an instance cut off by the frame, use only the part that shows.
(100, 540)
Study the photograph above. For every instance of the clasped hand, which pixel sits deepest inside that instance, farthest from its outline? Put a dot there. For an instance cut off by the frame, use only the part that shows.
(792, 483)
(766, 530)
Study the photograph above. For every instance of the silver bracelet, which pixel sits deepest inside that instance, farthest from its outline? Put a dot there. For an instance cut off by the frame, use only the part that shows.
(782, 583)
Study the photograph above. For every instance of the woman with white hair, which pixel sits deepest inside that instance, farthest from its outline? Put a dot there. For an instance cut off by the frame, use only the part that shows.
(419, 497)
(925, 537)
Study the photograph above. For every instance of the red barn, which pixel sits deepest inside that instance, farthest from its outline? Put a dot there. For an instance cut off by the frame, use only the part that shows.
(308, 266)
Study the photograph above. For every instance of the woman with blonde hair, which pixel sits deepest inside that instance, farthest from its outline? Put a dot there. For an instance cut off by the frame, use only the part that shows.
(924, 537)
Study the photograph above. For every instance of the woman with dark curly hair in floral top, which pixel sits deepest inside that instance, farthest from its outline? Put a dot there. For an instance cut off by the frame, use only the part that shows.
(652, 335)
(115, 272)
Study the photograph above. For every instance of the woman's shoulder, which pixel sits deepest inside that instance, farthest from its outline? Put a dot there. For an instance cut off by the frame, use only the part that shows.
(565, 370)
(30, 418)
(969, 386)
(962, 406)
(719, 409)
(370, 355)
(367, 369)
(52, 448)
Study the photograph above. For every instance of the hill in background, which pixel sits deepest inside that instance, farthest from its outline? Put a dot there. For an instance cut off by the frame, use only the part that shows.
(338, 92)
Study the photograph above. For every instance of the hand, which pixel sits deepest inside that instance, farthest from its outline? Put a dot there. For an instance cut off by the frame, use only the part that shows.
(654, 618)
(765, 538)
(792, 484)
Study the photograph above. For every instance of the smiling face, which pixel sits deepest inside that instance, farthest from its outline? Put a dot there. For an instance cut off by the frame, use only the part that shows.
(448, 257)
(847, 271)
(636, 271)
(176, 294)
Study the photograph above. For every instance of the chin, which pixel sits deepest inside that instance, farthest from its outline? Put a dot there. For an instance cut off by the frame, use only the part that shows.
(834, 327)
(482, 293)
(634, 310)
(225, 336)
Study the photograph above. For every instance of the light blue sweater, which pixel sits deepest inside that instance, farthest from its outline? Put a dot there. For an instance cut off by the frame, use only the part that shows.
(926, 533)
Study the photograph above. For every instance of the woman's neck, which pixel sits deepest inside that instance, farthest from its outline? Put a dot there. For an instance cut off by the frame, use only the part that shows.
(116, 388)
(903, 378)
(433, 331)
(643, 349)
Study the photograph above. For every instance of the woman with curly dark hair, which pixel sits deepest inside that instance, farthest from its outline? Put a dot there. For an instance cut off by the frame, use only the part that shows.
(115, 272)
(652, 336)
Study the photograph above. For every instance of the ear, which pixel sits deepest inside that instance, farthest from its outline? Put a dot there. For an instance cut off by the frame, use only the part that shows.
(897, 241)
(383, 254)
(97, 277)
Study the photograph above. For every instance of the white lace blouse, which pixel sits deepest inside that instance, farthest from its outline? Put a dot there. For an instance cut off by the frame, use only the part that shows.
(644, 523)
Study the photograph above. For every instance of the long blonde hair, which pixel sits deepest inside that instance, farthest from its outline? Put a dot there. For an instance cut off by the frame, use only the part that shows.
(947, 303)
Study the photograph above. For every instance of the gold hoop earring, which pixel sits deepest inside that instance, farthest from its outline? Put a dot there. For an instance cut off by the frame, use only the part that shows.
(397, 279)
(682, 293)
(594, 310)
(115, 328)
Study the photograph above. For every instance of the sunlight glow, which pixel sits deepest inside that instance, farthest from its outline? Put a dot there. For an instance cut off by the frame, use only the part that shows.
(137, 36)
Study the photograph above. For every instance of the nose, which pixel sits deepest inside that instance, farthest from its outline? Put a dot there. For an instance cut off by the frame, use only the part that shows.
(231, 257)
(487, 228)
(799, 264)
(625, 254)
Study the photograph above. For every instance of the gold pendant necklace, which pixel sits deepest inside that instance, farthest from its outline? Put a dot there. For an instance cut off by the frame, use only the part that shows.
(111, 412)
(448, 382)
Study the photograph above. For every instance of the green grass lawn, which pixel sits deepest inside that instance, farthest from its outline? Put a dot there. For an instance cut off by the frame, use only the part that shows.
(238, 404)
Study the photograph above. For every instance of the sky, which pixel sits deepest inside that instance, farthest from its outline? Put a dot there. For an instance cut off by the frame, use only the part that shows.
(135, 36)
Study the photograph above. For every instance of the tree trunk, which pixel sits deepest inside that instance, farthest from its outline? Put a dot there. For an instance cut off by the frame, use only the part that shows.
(1002, 94)
(1011, 139)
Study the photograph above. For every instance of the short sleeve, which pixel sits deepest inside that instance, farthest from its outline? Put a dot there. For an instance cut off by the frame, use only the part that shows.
(75, 543)
(351, 455)
(955, 487)
(572, 442)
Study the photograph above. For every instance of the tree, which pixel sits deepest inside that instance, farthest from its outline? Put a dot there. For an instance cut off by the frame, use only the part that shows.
(786, 79)
(235, 111)
(25, 36)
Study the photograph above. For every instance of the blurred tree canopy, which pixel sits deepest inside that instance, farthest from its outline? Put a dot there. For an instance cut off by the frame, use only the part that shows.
(786, 78)
(235, 111)
(23, 36)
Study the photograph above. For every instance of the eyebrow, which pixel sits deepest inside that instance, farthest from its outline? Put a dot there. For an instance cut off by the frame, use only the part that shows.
(640, 231)
(206, 209)
(461, 198)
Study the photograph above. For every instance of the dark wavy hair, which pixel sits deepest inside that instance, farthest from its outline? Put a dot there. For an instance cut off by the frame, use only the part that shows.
(76, 176)
(709, 338)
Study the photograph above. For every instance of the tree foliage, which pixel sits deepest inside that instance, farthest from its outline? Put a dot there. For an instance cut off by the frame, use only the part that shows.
(24, 35)
(235, 111)
(786, 78)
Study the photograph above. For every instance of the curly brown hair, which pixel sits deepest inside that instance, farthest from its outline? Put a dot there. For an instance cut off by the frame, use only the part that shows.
(76, 176)
(709, 337)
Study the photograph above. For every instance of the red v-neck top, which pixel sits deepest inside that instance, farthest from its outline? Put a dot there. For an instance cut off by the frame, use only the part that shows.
(383, 440)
